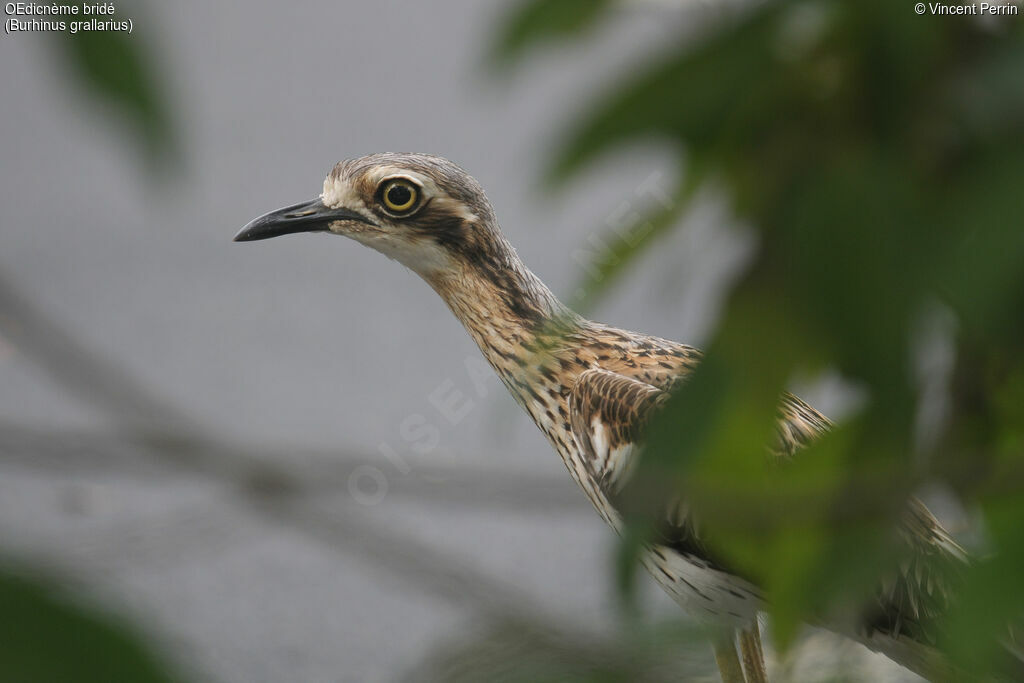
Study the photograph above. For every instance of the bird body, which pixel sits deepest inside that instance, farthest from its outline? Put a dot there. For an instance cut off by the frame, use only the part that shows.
(589, 387)
(583, 384)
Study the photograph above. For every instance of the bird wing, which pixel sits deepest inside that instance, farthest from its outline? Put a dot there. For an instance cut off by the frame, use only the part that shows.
(909, 601)
(797, 426)
(608, 413)
(665, 365)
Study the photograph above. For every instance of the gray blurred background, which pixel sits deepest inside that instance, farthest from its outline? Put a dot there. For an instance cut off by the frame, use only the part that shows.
(312, 351)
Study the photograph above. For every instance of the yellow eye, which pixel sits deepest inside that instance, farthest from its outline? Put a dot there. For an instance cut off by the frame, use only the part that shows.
(399, 196)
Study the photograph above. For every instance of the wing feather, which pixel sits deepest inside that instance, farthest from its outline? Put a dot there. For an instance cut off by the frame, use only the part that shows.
(608, 413)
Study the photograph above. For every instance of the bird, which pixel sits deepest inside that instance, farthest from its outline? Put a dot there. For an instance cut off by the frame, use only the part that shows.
(592, 389)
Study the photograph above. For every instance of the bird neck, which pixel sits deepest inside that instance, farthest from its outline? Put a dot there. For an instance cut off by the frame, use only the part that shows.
(507, 310)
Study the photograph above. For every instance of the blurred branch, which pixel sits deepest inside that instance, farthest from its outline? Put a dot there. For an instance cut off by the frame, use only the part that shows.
(84, 373)
(508, 652)
(309, 472)
(169, 437)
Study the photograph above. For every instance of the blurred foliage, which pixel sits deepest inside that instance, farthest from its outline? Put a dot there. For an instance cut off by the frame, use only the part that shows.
(543, 21)
(48, 639)
(43, 637)
(517, 652)
(879, 155)
(514, 651)
(117, 69)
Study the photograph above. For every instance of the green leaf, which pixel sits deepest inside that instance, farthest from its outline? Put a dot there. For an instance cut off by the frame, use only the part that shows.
(692, 94)
(621, 249)
(991, 602)
(116, 69)
(46, 638)
(537, 21)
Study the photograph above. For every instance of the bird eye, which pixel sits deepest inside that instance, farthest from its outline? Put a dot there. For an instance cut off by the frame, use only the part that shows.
(399, 196)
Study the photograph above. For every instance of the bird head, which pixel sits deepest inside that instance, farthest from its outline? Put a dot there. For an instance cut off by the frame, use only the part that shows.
(421, 210)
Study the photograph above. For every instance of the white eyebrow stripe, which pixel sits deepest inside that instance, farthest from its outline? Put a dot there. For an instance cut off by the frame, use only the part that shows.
(430, 188)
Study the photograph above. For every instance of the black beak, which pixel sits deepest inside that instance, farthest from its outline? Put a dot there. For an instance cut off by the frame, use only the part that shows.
(312, 216)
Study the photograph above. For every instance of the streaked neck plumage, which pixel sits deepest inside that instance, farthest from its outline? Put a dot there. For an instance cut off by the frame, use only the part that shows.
(508, 311)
